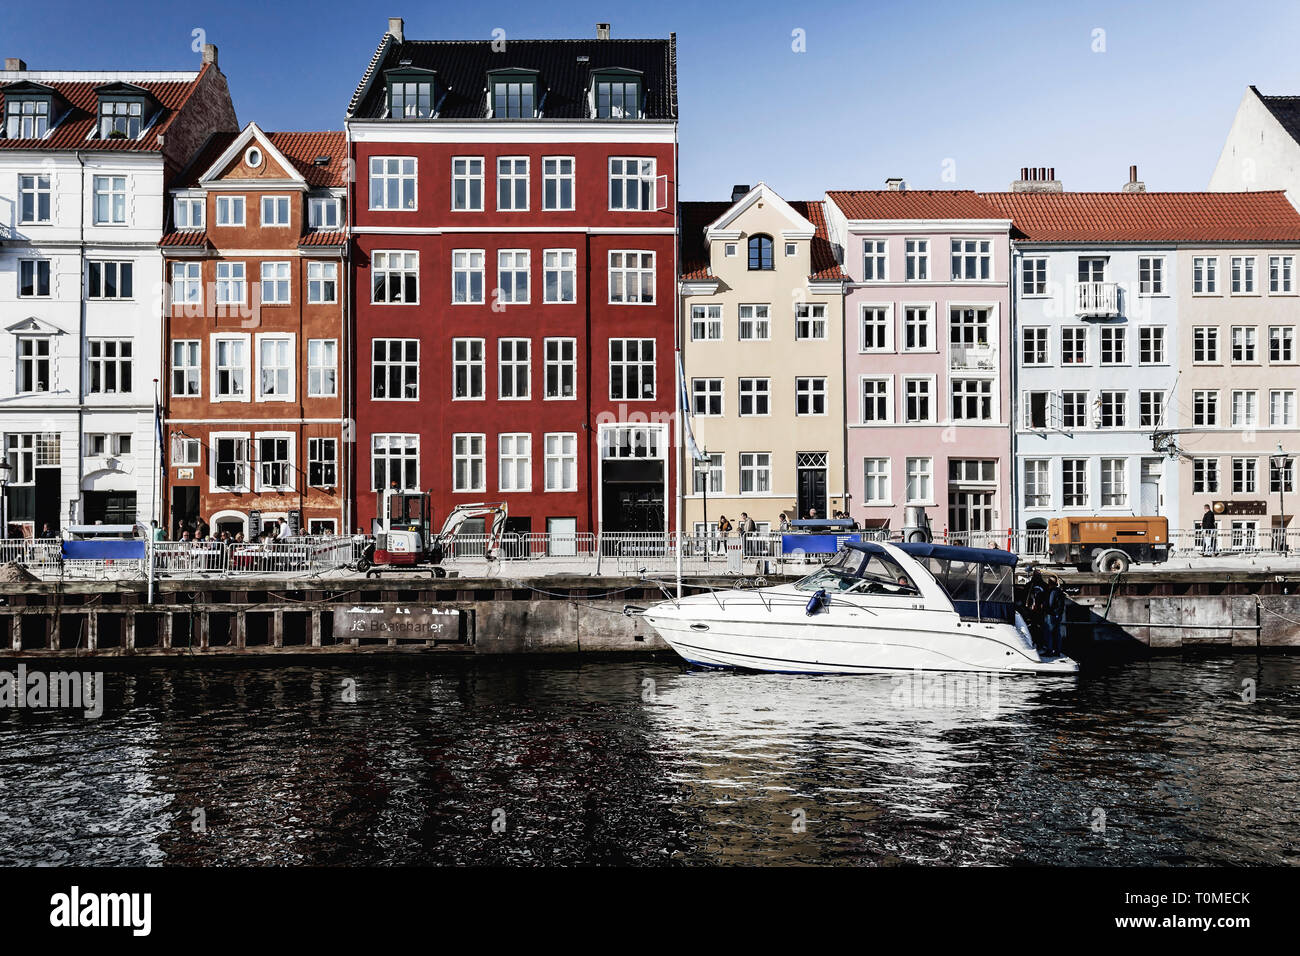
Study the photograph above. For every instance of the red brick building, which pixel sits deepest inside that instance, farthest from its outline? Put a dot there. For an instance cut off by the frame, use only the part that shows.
(256, 337)
(514, 229)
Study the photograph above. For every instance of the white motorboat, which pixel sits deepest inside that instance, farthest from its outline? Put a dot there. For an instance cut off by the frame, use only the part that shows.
(873, 608)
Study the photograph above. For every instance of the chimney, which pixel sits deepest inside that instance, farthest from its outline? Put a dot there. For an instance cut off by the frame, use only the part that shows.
(896, 184)
(602, 31)
(210, 54)
(14, 65)
(1133, 185)
(395, 25)
(739, 192)
(1037, 179)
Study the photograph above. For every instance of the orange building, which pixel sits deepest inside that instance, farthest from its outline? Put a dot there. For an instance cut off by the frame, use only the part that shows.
(255, 390)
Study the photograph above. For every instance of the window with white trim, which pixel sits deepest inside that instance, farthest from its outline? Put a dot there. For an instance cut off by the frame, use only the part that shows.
(1074, 482)
(322, 368)
(109, 280)
(631, 183)
(275, 210)
(1151, 281)
(1245, 475)
(631, 369)
(875, 329)
(1112, 409)
(395, 277)
(917, 400)
(1205, 408)
(1281, 343)
(395, 462)
(875, 262)
(1074, 410)
(323, 212)
(1281, 407)
(560, 275)
(187, 283)
(631, 277)
(467, 269)
(1205, 344)
(1114, 482)
(1205, 476)
(755, 472)
(275, 283)
(33, 278)
(561, 358)
(755, 397)
(467, 183)
(919, 480)
(1281, 274)
(557, 182)
(755, 322)
(875, 481)
(875, 401)
(809, 321)
(395, 369)
(1281, 474)
(514, 368)
(1151, 408)
(468, 469)
(1243, 343)
(972, 259)
(110, 200)
(710, 472)
(515, 461)
(1151, 344)
(1033, 276)
(561, 461)
(1038, 487)
(1074, 345)
(274, 465)
(34, 198)
(230, 210)
(230, 283)
(1112, 345)
(322, 462)
(972, 400)
(512, 276)
(187, 368)
(1245, 408)
(1034, 345)
(706, 323)
(275, 360)
(322, 282)
(231, 455)
(1205, 275)
(916, 252)
(512, 183)
(706, 397)
(809, 395)
(917, 335)
(230, 363)
(392, 183)
(1243, 275)
(468, 368)
(108, 362)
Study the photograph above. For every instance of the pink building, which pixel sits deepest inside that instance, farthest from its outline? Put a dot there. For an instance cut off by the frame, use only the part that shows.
(928, 357)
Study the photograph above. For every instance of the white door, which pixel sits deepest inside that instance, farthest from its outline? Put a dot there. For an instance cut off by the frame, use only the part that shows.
(562, 537)
(1152, 471)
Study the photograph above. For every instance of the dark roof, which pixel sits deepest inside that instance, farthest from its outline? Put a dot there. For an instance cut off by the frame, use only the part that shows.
(82, 102)
(696, 217)
(943, 552)
(462, 67)
(300, 148)
(1285, 109)
(905, 204)
(1149, 217)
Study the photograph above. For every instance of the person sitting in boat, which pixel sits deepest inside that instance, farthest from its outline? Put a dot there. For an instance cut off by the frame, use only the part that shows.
(1035, 607)
(905, 584)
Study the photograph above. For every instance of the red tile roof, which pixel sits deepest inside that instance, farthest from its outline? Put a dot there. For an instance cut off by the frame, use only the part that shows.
(697, 216)
(75, 125)
(912, 204)
(190, 238)
(324, 239)
(300, 148)
(1149, 217)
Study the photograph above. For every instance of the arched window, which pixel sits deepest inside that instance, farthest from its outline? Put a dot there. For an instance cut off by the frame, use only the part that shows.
(760, 252)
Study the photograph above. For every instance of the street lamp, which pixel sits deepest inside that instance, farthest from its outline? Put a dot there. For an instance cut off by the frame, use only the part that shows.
(4, 498)
(1280, 470)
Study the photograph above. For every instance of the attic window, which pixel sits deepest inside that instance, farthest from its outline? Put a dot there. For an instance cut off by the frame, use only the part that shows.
(253, 157)
(514, 95)
(617, 95)
(27, 118)
(412, 93)
(121, 119)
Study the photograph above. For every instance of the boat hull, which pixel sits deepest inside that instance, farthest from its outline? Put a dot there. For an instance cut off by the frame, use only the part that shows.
(775, 633)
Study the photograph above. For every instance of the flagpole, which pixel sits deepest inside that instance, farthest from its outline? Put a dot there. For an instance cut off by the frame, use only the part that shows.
(681, 462)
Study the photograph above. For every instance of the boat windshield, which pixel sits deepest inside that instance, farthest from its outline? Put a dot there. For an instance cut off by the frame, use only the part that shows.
(979, 590)
(860, 573)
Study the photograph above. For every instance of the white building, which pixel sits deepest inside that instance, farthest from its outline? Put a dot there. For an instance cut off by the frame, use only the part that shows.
(1262, 150)
(85, 160)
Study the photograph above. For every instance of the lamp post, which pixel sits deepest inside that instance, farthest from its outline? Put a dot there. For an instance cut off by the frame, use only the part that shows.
(708, 476)
(1280, 468)
(4, 498)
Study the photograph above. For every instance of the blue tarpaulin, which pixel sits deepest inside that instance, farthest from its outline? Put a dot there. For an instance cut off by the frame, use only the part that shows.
(103, 550)
(815, 543)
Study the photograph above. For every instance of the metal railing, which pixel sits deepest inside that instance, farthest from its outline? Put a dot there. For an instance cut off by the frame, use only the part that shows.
(1097, 298)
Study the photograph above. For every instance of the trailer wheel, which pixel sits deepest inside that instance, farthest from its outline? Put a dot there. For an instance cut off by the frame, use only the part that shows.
(363, 564)
(439, 572)
(1114, 562)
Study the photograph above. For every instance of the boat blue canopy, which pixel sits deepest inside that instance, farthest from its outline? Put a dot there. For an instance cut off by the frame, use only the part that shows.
(944, 552)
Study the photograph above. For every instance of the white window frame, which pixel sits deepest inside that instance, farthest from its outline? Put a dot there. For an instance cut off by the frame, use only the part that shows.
(759, 319)
(520, 452)
(284, 342)
(642, 176)
(408, 263)
(511, 174)
(563, 264)
(559, 177)
(707, 321)
(468, 266)
(278, 206)
(753, 388)
(322, 358)
(277, 277)
(468, 178)
(888, 395)
(621, 264)
(289, 462)
(875, 307)
(231, 276)
(226, 207)
(244, 340)
(322, 277)
(640, 364)
(507, 369)
(402, 363)
(469, 448)
(401, 448)
(565, 367)
(393, 169)
(190, 368)
(560, 448)
(463, 360)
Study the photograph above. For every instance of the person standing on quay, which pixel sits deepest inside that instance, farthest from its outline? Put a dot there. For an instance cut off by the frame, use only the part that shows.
(1208, 531)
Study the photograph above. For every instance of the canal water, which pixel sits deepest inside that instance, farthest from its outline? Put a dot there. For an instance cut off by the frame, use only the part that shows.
(1167, 761)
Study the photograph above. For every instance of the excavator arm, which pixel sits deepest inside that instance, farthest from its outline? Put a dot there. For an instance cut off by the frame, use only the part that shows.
(461, 513)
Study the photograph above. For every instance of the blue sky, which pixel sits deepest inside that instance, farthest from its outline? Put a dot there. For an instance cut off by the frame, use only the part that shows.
(884, 89)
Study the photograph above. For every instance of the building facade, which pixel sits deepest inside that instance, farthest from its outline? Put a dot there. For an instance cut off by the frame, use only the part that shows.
(515, 240)
(257, 337)
(85, 163)
(927, 366)
(763, 358)
(1129, 400)
(1262, 148)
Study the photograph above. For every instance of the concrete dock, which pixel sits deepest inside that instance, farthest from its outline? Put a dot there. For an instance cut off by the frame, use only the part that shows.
(416, 614)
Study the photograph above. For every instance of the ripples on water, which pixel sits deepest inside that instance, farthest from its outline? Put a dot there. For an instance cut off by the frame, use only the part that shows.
(647, 763)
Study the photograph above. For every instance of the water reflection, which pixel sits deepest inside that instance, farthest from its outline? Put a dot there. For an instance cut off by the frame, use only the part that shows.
(646, 763)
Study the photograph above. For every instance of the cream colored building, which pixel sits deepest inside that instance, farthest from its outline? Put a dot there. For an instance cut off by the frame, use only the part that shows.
(762, 328)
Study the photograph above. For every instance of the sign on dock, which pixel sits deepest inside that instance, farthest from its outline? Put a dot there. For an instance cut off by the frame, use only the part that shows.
(397, 622)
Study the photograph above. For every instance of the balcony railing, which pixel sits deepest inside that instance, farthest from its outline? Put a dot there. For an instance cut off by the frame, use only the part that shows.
(1097, 299)
(973, 357)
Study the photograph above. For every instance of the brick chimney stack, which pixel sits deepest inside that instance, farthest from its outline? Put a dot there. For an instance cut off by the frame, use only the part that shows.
(1037, 179)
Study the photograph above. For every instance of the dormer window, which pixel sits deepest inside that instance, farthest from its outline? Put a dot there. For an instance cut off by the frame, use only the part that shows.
(514, 94)
(760, 252)
(617, 95)
(27, 118)
(120, 119)
(412, 94)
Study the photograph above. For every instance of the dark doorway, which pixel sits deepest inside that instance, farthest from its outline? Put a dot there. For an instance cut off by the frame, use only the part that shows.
(632, 496)
(185, 507)
(110, 507)
(48, 506)
(812, 491)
